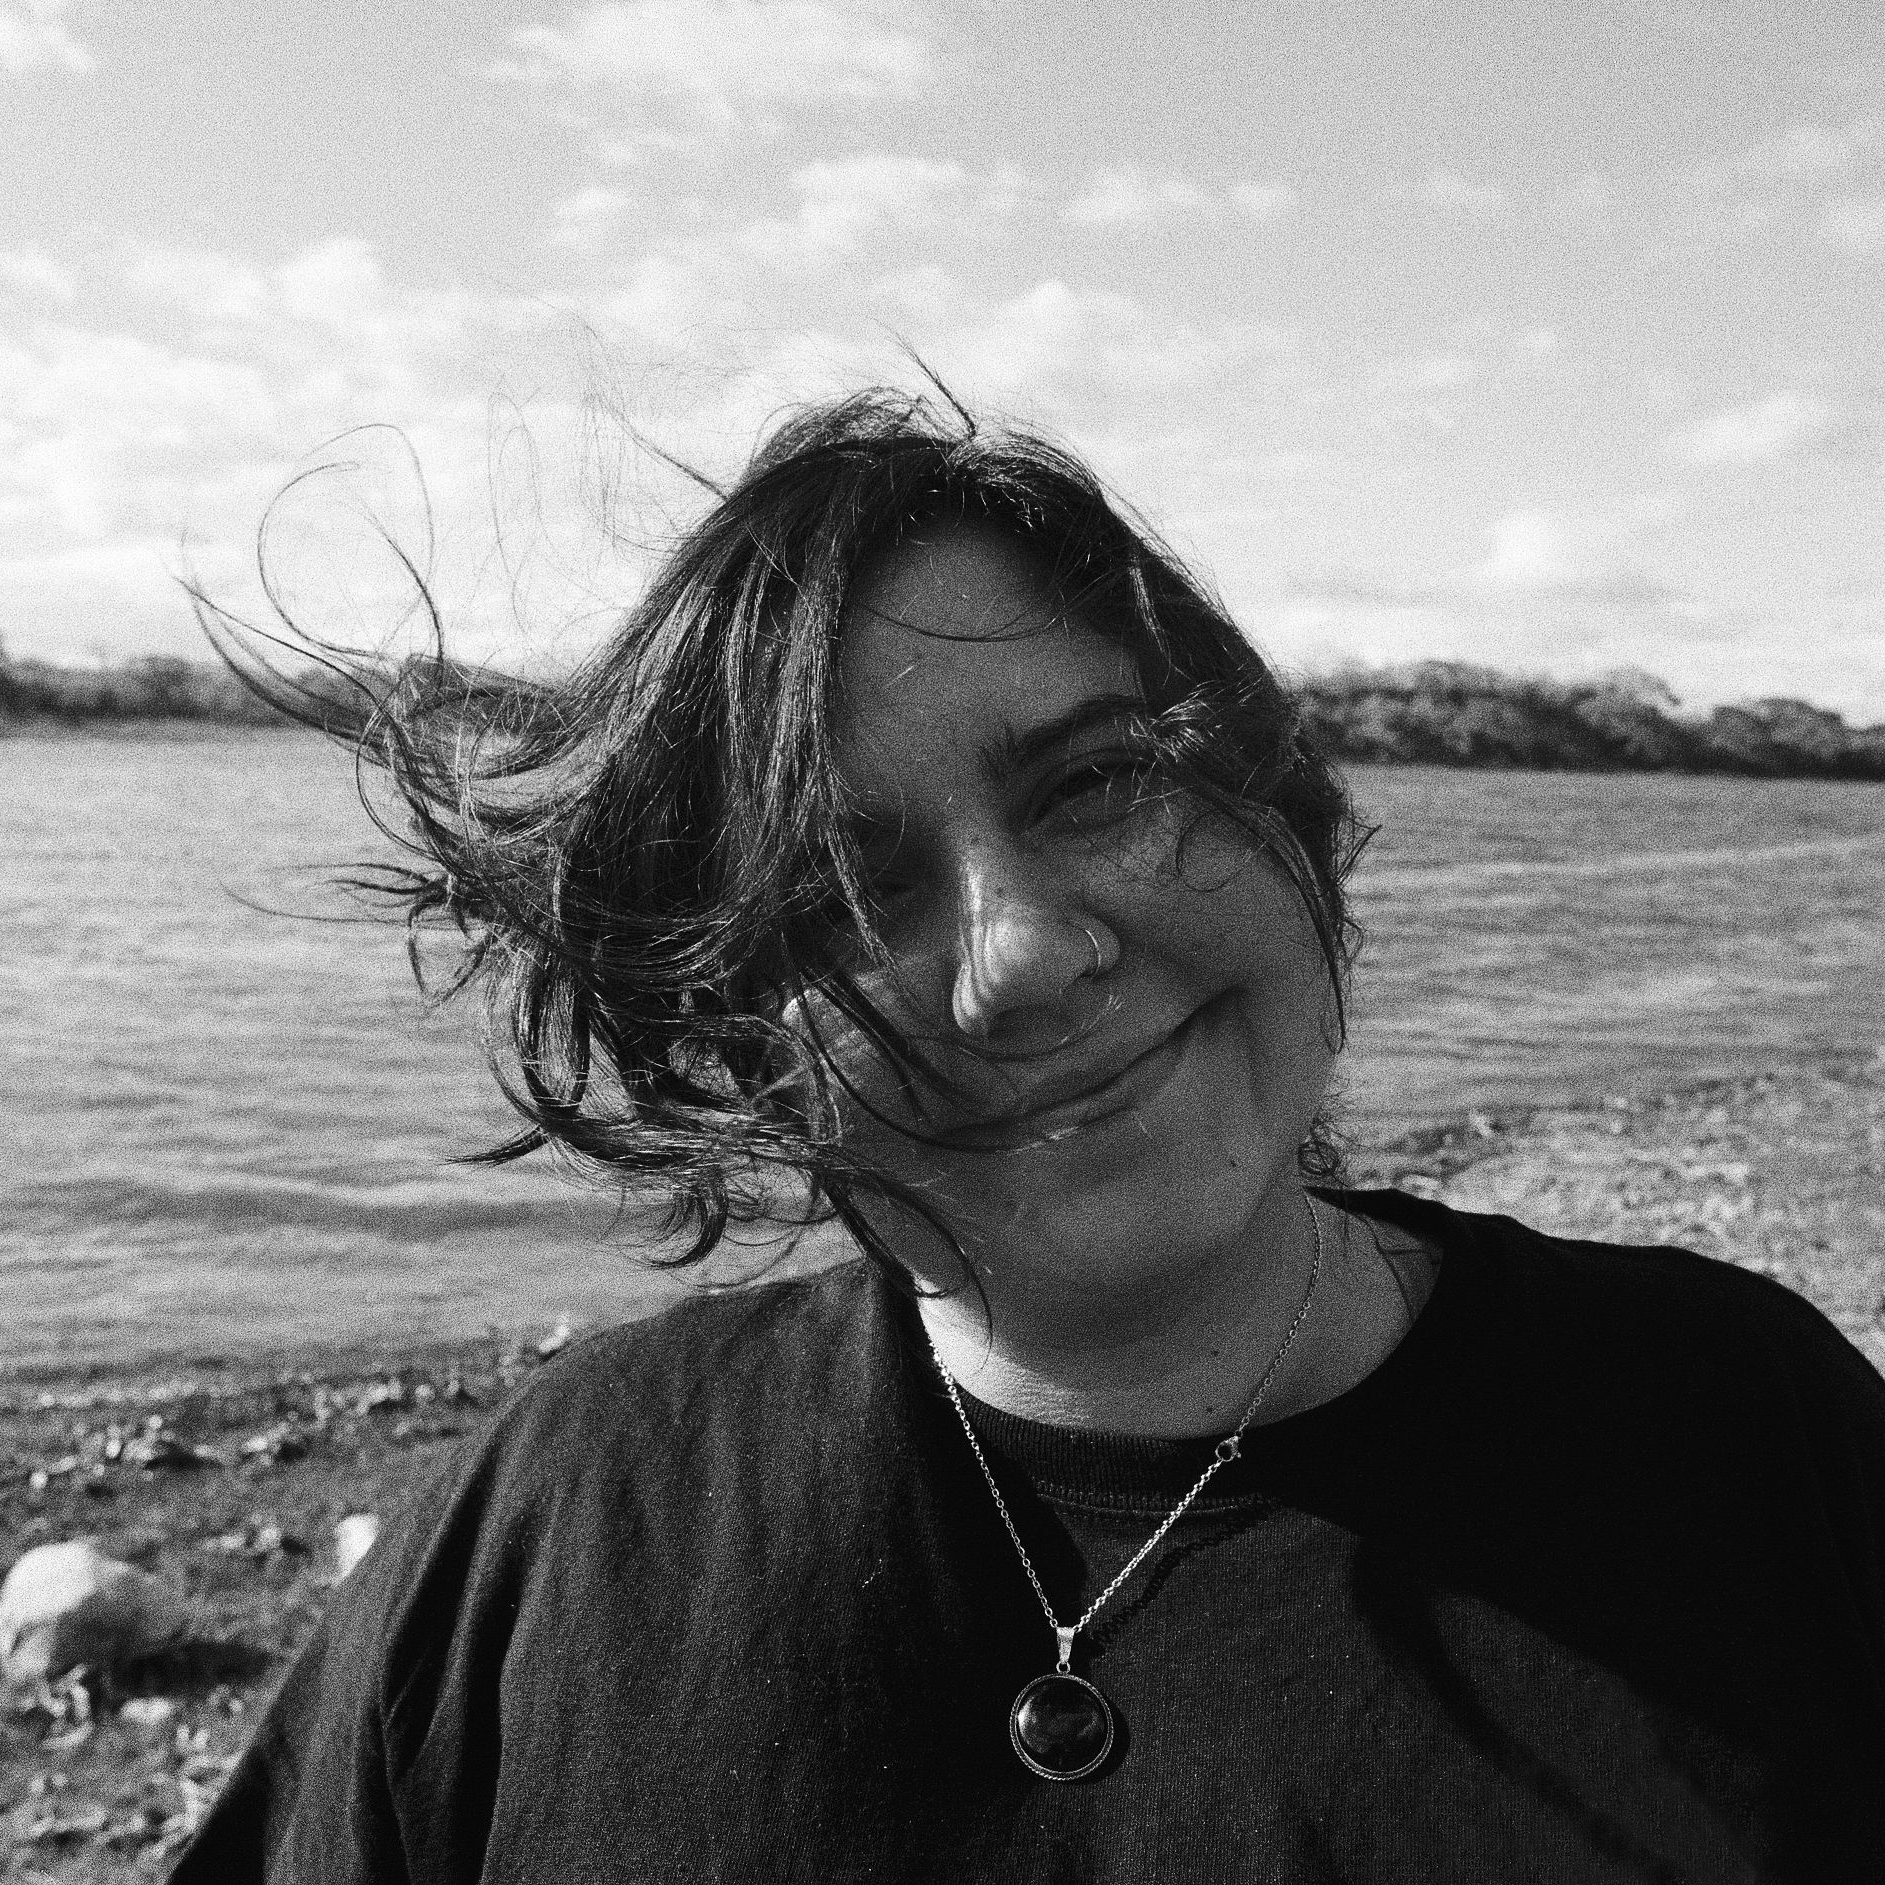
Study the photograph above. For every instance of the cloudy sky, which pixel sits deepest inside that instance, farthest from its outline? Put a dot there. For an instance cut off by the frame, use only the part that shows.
(1534, 334)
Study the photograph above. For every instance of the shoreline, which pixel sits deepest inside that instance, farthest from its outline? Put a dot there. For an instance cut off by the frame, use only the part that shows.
(1782, 1172)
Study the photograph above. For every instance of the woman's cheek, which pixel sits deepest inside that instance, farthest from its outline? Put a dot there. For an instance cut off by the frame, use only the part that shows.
(872, 1101)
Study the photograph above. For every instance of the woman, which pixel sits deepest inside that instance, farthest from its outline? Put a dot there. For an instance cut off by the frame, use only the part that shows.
(1140, 1504)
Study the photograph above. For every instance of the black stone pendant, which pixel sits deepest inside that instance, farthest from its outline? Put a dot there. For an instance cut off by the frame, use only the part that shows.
(1061, 1727)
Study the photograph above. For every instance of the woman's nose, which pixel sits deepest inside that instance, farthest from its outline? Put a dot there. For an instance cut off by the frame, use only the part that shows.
(1019, 955)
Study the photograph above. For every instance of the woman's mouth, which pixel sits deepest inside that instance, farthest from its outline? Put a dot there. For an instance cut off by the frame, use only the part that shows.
(1112, 1096)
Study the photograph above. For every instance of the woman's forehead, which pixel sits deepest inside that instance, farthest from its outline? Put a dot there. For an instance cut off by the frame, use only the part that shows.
(957, 655)
(967, 580)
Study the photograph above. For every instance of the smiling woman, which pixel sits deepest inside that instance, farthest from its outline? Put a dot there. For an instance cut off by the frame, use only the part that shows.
(929, 849)
(1125, 1020)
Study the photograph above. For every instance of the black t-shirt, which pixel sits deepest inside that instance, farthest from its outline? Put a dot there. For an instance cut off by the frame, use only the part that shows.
(1585, 1582)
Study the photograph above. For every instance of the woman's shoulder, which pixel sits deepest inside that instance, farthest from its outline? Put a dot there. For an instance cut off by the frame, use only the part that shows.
(618, 1434)
(1608, 1320)
(756, 1345)
(633, 1416)
(1607, 1314)
(718, 1322)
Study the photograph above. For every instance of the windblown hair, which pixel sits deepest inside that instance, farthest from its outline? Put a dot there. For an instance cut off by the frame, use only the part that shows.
(644, 863)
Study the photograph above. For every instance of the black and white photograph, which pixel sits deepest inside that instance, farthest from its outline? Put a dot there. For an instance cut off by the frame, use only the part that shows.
(942, 943)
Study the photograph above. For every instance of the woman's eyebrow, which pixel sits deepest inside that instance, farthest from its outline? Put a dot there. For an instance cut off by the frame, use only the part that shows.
(1014, 749)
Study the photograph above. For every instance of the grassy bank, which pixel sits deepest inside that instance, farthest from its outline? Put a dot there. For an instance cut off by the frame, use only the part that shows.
(246, 1469)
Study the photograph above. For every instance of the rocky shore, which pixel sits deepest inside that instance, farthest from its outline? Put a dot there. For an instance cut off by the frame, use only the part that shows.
(227, 1482)
(1782, 1173)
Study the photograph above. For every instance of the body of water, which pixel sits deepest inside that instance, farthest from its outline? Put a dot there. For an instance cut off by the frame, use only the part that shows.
(227, 1131)
(1538, 938)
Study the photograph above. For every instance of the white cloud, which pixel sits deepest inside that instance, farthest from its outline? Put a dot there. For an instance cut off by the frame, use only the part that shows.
(1316, 633)
(1558, 634)
(717, 55)
(663, 295)
(127, 391)
(1750, 435)
(584, 222)
(842, 207)
(1094, 345)
(33, 38)
(1131, 198)
(32, 272)
(1564, 593)
(852, 228)
(1821, 177)
(332, 284)
(1533, 550)
(54, 488)
(1591, 195)
(1540, 555)
(71, 604)
(1854, 223)
(924, 294)
(631, 149)
(1448, 190)
(1092, 355)
(1264, 202)
(115, 440)
(1134, 198)
(838, 201)
(1037, 338)
(329, 302)
(1426, 373)
(211, 287)
(229, 367)
(1810, 153)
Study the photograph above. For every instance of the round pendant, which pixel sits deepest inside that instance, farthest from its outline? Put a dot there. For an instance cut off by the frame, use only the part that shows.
(1061, 1727)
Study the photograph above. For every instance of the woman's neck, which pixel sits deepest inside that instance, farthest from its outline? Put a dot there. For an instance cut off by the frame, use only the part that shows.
(1182, 1355)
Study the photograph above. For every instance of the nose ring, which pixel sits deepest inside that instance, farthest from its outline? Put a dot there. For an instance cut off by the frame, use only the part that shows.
(1099, 960)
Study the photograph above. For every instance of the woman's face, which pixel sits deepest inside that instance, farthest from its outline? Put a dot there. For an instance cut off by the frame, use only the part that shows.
(1139, 1049)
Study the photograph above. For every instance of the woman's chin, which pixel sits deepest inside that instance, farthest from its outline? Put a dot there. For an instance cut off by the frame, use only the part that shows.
(1121, 1209)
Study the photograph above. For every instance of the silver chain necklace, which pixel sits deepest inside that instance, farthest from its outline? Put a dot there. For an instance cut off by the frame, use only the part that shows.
(1061, 1725)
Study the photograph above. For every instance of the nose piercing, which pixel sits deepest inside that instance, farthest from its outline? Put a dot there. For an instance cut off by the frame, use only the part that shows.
(1099, 960)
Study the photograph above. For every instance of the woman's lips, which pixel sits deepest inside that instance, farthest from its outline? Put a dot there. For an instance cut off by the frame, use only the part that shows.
(1130, 1087)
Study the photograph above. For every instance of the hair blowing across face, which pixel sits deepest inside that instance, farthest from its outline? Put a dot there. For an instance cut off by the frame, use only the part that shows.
(643, 863)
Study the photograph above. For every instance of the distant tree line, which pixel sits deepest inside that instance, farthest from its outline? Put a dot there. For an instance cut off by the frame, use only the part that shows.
(1449, 713)
(1441, 713)
(152, 687)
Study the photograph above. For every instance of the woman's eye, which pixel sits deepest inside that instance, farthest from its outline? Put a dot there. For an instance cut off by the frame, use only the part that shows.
(886, 903)
(1101, 791)
(890, 893)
